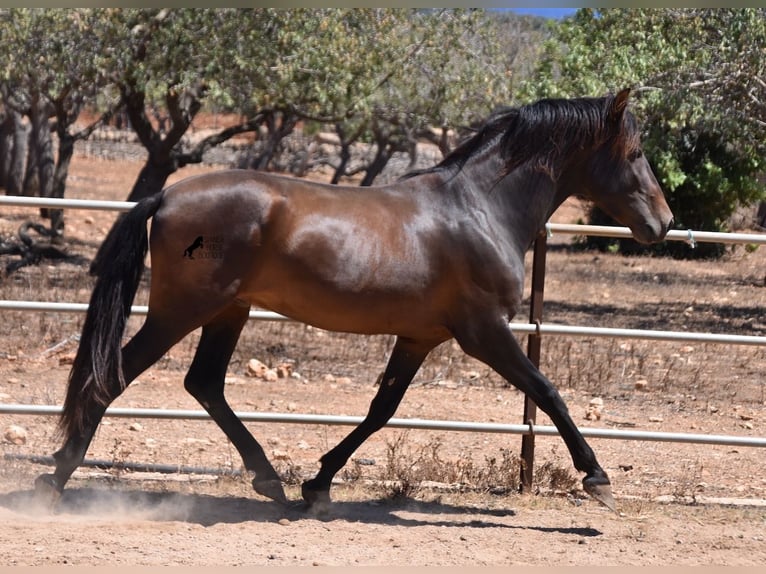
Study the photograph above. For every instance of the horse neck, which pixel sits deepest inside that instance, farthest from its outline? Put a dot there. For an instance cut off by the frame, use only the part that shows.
(520, 203)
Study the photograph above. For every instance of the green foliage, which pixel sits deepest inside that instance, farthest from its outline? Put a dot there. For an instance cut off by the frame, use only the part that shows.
(697, 79)
(55, 53)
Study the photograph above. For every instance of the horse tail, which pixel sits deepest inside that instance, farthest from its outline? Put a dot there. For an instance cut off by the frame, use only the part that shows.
(118, 266)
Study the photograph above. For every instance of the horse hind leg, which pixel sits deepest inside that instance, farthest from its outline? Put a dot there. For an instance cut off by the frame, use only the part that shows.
(205, 382)
(141, 352)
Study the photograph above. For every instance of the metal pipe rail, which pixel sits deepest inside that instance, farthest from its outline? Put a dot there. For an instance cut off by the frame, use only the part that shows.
(673, 235)
(542, 329)
(422, 424)
(10, 305)
(564, 228)
(55, 203)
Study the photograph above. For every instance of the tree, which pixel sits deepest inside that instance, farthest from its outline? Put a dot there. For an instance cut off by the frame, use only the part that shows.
(451, 69)
(160, 61)
(54, 74)
(274, 67)
(699, 89)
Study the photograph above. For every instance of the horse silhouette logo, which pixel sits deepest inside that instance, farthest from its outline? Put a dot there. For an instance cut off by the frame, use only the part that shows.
(197, 244)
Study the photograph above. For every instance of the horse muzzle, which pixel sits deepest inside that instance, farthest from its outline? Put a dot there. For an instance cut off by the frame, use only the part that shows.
(653, 231)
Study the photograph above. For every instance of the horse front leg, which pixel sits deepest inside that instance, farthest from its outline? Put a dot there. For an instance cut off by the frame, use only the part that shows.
(493, 343)
(404, 362)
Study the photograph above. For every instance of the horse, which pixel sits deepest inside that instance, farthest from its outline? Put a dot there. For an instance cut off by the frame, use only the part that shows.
(434, 256)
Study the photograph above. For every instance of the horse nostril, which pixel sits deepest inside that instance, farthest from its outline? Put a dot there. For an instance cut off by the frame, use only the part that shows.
(671, 223)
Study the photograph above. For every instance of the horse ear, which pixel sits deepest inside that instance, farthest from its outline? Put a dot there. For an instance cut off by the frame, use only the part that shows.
(619, 104)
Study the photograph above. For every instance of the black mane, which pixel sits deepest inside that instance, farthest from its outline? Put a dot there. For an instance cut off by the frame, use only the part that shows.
(545, 132)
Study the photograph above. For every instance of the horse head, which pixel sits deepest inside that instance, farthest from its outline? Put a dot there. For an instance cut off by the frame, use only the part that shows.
(621, 181)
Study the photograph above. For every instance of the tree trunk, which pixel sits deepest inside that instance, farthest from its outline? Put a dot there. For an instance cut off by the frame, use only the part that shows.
(279, 125)
(345, 157)
(6, 145)
(46, 159)
(15, 141)
(152, 178)
(31, 183)
(382, 155)
(66, 151)
(164, 158)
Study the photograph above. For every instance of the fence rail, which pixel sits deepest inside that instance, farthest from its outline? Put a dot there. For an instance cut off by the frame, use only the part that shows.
(541, 329)
(407, 423)
(688, 236)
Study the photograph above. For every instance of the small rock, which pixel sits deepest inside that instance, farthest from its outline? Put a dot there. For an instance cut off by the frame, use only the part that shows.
(303, 445)
(136, 427)
(15, 434)
(642, 385)
(284, 370)
(655, 419)
(343, 380)
(259, 370)
(270, 376)
(256, 368)
(594, 410)
(277, 454)
(284, 521)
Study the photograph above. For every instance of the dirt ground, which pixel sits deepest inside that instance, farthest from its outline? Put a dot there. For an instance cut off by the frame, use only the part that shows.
(678, 504)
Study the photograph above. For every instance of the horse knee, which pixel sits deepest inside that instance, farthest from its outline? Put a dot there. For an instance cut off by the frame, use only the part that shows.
(196, 387)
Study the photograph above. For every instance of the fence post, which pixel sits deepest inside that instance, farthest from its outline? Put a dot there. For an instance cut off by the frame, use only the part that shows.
(533, 353)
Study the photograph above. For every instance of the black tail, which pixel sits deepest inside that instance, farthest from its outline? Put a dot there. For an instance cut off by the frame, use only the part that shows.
(118, 266)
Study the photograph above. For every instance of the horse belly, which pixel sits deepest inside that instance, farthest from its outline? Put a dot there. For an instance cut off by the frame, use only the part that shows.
(363, 311)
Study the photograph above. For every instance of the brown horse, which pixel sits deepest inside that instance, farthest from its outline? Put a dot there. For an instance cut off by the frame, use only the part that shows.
(435, 256)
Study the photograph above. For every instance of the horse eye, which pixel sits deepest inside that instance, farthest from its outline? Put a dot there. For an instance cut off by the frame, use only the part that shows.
(635, 154)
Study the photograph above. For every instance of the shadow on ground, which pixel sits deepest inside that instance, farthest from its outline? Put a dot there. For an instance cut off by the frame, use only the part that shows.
(206, 510)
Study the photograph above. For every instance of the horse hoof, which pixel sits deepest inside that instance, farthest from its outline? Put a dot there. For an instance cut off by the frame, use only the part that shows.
(601, 490)
(47, 490)
(317, 501)
(270, 489)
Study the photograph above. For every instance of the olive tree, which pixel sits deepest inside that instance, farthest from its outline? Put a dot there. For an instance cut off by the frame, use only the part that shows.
(51, 71)
(698, 82)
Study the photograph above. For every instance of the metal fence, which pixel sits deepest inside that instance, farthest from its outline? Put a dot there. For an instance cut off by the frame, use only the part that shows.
(539, 329)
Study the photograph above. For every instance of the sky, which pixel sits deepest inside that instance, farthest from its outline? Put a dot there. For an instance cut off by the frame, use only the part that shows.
(547, 12)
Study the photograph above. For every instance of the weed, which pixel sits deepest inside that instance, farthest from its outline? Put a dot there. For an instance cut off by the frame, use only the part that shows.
(409, 468)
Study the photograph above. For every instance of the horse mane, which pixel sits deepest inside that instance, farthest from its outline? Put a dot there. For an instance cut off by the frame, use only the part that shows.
(544, 133)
